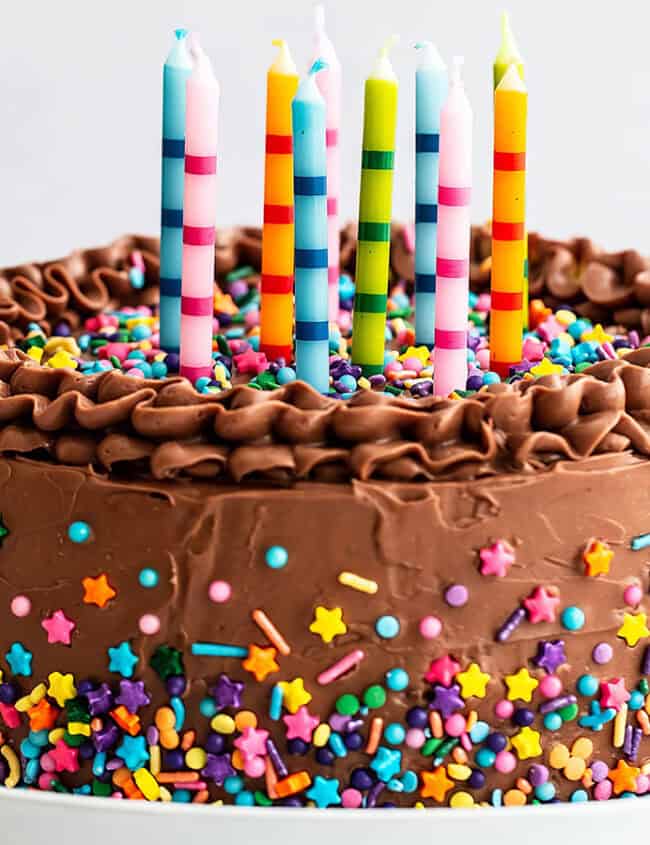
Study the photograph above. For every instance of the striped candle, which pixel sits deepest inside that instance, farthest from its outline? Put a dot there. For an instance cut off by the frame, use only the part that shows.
(375, 207)
(329, 82)
(452, 264)
(176, 70)
(509, 54)
(276, 317)
(430, 94)
(310, 190)
(199, 212)
(508, 221)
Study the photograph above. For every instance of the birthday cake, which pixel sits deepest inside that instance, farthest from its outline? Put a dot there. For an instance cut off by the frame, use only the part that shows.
(247, 592)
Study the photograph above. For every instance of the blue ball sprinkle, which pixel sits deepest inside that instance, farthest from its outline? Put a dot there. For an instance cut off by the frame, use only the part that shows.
(395, 733)
(148, 578)
(285, 375)
(573, 618)
(545, 791)
(636, 700)
(397, 679)
(208, 707)
(479, 732)
(159, 369)
(485, 758)
(387, 627)
(140, 332)
(579, 795)
(409, 781)
(245, 799)
(552, 721)
(276, 557)
(233, 784)
(587, 685)
(79, 532)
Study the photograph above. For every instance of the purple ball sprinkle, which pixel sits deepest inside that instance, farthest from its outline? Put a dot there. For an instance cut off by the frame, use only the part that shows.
(537, 774)
(599, 770)
(456, 595)
(602, 653)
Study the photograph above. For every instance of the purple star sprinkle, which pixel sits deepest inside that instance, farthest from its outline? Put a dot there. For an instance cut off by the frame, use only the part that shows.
(218, 768)
(132, 695)
(550, 655)
(446, 700)
(227, 693)
(106, 738)
(100, 700)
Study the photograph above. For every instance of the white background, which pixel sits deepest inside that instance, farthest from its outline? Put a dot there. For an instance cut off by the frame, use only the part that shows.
(80, 108)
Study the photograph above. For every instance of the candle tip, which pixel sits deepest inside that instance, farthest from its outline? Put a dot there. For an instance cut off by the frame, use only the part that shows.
(283, 63)
(181, 33)
(457, 63)
(319, 64)
(509, 49)
(388, 46)
(319, 18)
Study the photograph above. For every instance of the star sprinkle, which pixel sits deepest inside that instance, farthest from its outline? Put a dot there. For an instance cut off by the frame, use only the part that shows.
(521, 685)
(496, 559)
(133, 750)
(436, 784)
(624, 777)
(598, 335)
(421, 353)
(64, 757)
(328, 623)
(294, 694)
(250, 362)
(613, 693)
(542, 605)
(132, 696)
(526, 743)
(167, 661)
(387, 763)
(634, 628)
(597, 717)
(100, 700)
(446, 700)
(97, 590)
(252, 743)
(597, 558)
(442, 670)
(62, 360)
(122, 659)
(473, 681)
(324, 792)
(58, 628)
(301, 724)
(227, 693)
(218, 768)
(4, 531)
(61, 687)
(261, 662)
(546, 368)
(19, 660)
(550, 655)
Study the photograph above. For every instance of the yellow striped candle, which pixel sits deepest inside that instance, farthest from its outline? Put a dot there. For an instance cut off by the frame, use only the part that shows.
(508, 221)
(509, 55)
(276, 313)
(375, 208)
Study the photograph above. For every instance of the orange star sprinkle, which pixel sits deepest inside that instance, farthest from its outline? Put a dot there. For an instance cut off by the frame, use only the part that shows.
(597, 557)
(261, 662)
(436, 784)
(42, 716)
(97, 590)
(624, 777)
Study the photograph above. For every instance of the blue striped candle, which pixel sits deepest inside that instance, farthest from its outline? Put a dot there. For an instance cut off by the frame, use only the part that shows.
(175, 73)
(311, 255)
(430, 94)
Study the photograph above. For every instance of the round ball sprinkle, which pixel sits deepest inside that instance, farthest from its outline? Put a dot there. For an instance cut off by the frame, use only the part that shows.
(149, 624)
(20, 606)
(387, 627)
(347, 705)
(79, 532)
(573, 618)
(219, 591)
(148, 578)
(456, 595)
(374, 696)
(430, 627)
(276, 557)
(602, 653)
(397, 679)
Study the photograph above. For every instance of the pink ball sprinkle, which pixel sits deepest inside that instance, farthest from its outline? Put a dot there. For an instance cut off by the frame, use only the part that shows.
(393, 367)
(455, 724)
(550, 686)
(20, 606)
(45, 781)
(413, 364)
(642, 784)
(149, 624)
(219, 591)
(483, 358)
(255, 767)
(47, 763)
(430, 627)
(603, 790)
(632, 595)
(351, 799)
(505, 762)
(136, 372)
(415, 738)
(504, 708)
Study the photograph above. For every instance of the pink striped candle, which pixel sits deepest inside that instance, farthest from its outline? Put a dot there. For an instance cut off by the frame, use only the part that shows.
(199, 212)
(329, 83)
(452, 264)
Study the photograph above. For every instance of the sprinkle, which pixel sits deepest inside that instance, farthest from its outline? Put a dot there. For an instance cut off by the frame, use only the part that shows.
(294, 694)
(328, 623)
(573, 618)
(219, 591)
(430, 627)
(512, 622)
(641, 541)
(456, 595)
(542, 605)
(122, 659)
(218, 650)
(276, 557)
(97, 590)
(597, 558)
(340, 667)
(261, 662)
(645, 665)
(148, 578)
(497, 559)
(634, 628)
(275, 705)
(619, 727)
(292, 785)
(274, 755)
(20, 606)
(79, 532)
(557, 703)
(374, 736)
(149, 624)
(387, 627)
(521, 685)
(58, 627)
(13, 762)
(178, 777)
(356, 582)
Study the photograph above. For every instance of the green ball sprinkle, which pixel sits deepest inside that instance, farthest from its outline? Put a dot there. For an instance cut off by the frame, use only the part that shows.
(347, 705)
(568, 713)
(374, 696)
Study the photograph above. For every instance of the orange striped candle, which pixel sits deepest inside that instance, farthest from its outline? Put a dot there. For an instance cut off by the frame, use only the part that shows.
(276, 315)
(508, 221)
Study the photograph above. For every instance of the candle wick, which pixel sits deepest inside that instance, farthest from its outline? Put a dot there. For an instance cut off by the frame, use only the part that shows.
(181, 34)
(319, 64)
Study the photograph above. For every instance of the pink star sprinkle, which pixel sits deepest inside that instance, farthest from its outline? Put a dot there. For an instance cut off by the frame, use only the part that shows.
(496, 559)
(58, 628)
(64, 757)
(541, 605)
(250, 362)
(252, 743)
(442, 671)
(613, 693)
(301, 724)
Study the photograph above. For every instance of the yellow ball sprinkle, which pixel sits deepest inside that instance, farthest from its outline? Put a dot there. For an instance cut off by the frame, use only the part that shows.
(321, 735)
(147, 784)
(575, 768)
(196, 758)
(245, 719)
(582, 747)
(461, 800)
(458, 772)
(559, 756)
(223, 724)
(514, 798)
(564, 317)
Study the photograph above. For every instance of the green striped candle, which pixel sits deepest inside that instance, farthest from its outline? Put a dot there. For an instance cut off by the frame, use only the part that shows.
(375, 207)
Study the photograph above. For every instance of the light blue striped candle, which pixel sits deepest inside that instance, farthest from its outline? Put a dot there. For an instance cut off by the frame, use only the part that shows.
(430, 95)
(310, 209)
(175, 73)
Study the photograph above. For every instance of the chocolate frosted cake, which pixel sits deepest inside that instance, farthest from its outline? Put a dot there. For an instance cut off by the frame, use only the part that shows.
(244, 591)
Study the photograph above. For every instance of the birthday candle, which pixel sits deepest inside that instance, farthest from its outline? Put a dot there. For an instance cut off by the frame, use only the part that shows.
(310, 190)
(452, 265)
(375, 207)
(176, 70)
(276, 316)
(508, 221)
(430, 94)
(199, 212)
(329, 82)
(509, 54)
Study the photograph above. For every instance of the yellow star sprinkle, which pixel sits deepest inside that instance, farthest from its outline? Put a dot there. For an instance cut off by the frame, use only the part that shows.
(35, 353)
(521, 685)
(294, 694)
(420, 352)
(61, 687)
(598, 334)
(526, 743)
(597, 557)
(62, 360)
(546, 368)
(634, 628)
(473, 681)
(328, 623)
